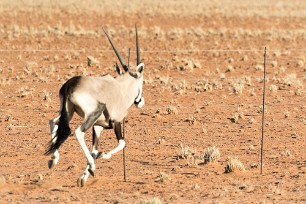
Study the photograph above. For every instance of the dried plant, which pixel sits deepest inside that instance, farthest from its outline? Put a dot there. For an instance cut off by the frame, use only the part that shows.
(153, 200)
(229, 68)
(46, 95)
(286, 114)
(185, 152)
(91, 61)
(188, 65)
(273, 63)
(286, 152)
(211, 154)
(291, 80)
(233, 164)
(273, 88)
(162, 177)
(24, 91)
(171, 110)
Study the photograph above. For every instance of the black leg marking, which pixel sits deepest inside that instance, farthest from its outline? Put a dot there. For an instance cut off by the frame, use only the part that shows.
(93, 136)
(99, 155)
(95, 139)
(91, 119)
(118, 132)
(91, 172)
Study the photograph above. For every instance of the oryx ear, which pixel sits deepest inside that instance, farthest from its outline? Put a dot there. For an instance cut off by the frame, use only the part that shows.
(139, 69)
(118, 69)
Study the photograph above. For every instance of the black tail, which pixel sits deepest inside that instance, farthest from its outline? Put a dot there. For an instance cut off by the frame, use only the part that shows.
(63, 130)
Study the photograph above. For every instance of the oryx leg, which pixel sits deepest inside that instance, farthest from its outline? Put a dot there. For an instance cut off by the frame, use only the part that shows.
(121, 145)
(96, 132)
(53, 127)
(80, 133)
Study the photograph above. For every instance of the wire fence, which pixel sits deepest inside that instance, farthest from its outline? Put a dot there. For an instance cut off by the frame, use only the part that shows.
(157, 51)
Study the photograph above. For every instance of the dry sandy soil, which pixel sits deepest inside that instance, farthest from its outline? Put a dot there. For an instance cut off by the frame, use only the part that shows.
(203, 88)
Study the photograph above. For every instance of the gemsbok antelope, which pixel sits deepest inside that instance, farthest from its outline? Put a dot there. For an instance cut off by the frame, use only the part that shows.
(102, 102)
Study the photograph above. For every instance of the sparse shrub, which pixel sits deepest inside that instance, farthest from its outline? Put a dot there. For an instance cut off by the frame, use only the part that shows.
(222, 76)
(203, 85)
(162, 177)
(153, 200)
(46, 95)
(67, 57)
(245, 58)
(24, 91)
(185, 152)
(282, 69)
(298, 92)
(233, 164)
(300, 63)
(188, 65)
(274, 63)
(273, 88)
(171, 110)
(191, 120)
(252, 92)
(259, 67)
(211, 154)
(230, 60)
(229, 68)
(165, 80)
(181, 87)
(277, 53)
(286, 114)
(237, 115)
(291, 80)
(286, 153)
(91, 61)
(238, 86)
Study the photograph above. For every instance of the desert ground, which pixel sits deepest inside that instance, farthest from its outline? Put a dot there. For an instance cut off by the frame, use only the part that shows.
(198, 137)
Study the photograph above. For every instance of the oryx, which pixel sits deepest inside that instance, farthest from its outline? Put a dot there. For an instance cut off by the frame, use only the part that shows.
(102, 102)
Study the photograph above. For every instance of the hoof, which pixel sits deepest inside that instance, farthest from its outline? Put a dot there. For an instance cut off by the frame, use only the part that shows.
(80, 182)
(91, 172)
(106, 156)
(51, 164)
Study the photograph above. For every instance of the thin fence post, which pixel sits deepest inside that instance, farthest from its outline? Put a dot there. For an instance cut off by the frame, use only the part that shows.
(123, 154)
(263, 113)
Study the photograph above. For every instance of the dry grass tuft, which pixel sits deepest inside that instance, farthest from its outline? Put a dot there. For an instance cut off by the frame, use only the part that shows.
(162, 177)
(91, 61)
(46, 96)
(211, 154)
(273, 88)
(153, 200)
(234, 164)
(291, 80)
(188, 65)
(25, 91)
(185, 152)
(171, 110)
(237, 116)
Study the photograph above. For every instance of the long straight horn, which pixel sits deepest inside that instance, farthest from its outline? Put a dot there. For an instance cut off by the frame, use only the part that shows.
(137, 47)
(117, 53)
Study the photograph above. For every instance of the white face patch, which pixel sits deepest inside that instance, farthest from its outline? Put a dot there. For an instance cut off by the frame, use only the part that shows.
(139, 100)
(141, 103)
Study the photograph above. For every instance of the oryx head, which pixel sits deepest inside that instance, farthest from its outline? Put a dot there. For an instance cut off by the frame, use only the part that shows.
(138, 74)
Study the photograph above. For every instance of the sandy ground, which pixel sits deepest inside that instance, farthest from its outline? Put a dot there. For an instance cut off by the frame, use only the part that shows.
(203, 88)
